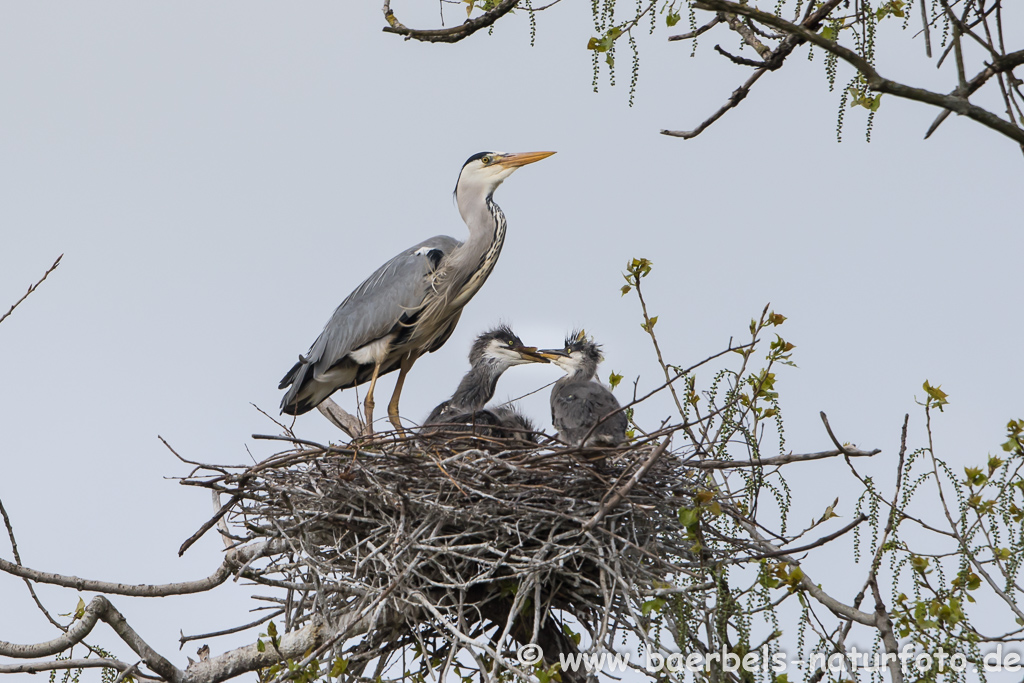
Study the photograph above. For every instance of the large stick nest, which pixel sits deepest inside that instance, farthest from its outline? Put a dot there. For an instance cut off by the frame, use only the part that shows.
(406, 544)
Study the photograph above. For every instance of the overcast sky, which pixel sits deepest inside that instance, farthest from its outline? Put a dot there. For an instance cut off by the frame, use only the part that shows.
(220, 176)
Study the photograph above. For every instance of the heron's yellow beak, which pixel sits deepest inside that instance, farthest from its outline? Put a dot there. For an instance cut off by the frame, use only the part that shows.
(522, 159)
(530, 354)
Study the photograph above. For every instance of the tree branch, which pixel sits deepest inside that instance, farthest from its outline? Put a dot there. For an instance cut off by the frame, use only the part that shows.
(620, 493)
(233, 560)
(32, 288)
(804, 548)
(340, 418)
(874, 80)
(839, 609)
(98, 609)
(693, 34)
(737, 96)
(447, 35)
(1006, 63)
(773, 61)
(781, 459)
(61, 664)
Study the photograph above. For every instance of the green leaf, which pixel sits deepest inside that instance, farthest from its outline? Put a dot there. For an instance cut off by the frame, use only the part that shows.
(272, 630)
(689, 517)
(672, 18)
(652, 606)
(260, 646)
(936, 396)
(614, 379)
(80, 609)
(626, 289)
(340, 666)
(829, 33)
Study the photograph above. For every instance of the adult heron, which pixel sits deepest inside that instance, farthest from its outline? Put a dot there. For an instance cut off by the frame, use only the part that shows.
(412, 303)
(584, 411)
(493, 352)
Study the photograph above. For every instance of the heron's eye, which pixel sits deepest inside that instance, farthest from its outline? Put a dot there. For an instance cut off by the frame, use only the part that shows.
(486, 160)
(511, 343)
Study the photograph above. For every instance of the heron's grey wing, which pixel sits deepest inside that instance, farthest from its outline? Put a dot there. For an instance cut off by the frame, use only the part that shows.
(379, 303)
(577, 406)
(515, 424)
(440, 410)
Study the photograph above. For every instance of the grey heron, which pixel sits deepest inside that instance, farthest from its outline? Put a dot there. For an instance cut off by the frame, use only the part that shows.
(579, 401)
(493, 352)
(412, 303)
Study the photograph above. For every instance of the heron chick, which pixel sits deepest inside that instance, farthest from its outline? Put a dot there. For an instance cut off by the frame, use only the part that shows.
(412, 303)
(493, 352)
(579, 401)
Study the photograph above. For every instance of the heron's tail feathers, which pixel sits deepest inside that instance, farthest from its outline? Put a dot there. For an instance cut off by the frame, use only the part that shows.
(297, 400)
(308, 388)
(290, 376)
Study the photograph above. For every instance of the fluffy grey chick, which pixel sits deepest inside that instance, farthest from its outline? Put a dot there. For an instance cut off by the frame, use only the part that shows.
(492, 353)
(578, 401)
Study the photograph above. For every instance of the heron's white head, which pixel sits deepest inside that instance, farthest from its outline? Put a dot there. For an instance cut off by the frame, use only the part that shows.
(579, 356)
(501, 347)
(484, 172)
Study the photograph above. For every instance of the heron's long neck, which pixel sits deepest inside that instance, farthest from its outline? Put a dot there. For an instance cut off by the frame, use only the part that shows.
(584, 372)
(478, 255)
(476, 388)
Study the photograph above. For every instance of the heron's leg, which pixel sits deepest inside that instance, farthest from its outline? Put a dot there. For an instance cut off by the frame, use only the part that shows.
(404, 367)
(368, 403)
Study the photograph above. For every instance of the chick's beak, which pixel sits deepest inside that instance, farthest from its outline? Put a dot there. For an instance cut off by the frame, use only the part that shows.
(530, 354)
(522, 158)
(553, 354)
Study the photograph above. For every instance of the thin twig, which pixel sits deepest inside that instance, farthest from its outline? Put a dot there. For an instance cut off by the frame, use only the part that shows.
(32, 288)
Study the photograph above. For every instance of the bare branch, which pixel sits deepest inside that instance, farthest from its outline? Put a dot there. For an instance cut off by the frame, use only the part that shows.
(620, 493)
(447, 35)
(1007, 64)
(209, 524)
(32, 288)
(804, 548)
(807, 584)
(700, 31)
(737, 96)
(874, 80)
(884, 626)
(773, 61)
(17, 560)
(233, 560)
(228, 631)
(63, 664)
(340, 418)
(98, 609)
(780, 459)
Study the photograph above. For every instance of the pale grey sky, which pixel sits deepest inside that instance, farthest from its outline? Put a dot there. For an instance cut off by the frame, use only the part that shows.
(220, 176)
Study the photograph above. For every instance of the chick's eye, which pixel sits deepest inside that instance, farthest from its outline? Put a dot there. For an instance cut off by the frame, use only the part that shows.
(511, 343)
